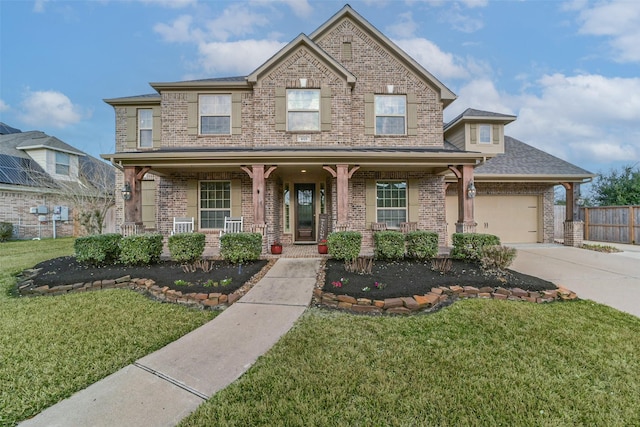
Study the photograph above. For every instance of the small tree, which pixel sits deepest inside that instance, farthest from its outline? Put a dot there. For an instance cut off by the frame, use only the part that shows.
(618, 188)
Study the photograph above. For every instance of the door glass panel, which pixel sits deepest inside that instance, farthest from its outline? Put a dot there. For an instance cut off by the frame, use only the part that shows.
(305, 212)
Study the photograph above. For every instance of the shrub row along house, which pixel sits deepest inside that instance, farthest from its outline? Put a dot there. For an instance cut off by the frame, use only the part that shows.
(49, 188)
(339, 130)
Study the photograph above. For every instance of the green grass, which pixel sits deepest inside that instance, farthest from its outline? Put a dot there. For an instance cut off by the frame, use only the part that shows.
(477, 362)
(51, 347)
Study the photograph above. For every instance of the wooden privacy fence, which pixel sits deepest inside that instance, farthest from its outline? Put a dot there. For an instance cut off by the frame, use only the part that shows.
(617, 224)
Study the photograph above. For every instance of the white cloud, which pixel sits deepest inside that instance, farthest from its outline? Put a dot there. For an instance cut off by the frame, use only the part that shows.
(240, 57)
(480, 94)
(179, 31)
(588, 118)
(462, 21)
(619, 20)
(4, 106)
(405, 27)
(172, 4)
(475, 3)
(38, 6)
(442, 65)
(49, 108)
(300, 8)
(227, 24)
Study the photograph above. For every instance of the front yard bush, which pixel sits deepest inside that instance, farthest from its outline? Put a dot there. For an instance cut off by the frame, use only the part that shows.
(141, 249)
(344, 245)
(98, 249)
(422, 245)
(6, 231)
(497, 257)
(388, 245)
(186, 247)
(468, 246)
(241, 247)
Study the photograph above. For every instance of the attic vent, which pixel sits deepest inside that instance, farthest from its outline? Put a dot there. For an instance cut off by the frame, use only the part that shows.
(346, 51)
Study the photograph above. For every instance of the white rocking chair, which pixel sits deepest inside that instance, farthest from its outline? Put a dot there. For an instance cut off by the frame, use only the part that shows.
(182, 225)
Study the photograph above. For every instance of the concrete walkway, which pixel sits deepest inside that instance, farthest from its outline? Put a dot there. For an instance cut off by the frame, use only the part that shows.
(612, 279)
(164, 387)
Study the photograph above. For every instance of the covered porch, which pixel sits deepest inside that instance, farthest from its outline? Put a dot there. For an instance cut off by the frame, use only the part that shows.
(277, 180)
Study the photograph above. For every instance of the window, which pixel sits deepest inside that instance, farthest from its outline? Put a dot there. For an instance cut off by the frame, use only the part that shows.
(215, 114)
(391, 202)
(287, 208)
(484, 134)
(215, 203)
(145, 126)
(62, 163)
(303, 110)
(391, 114)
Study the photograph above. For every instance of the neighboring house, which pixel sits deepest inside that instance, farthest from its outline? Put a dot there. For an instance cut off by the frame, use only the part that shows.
(339, 130)
(40, 179)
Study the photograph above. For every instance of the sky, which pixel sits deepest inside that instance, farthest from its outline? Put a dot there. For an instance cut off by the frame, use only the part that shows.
(570, 71)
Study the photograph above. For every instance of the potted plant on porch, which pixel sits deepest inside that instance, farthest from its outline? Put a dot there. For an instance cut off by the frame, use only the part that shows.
(322, 247)
(276, 248)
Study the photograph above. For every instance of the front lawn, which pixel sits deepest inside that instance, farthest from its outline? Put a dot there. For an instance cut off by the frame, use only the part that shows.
(51, 347)
(476, 362)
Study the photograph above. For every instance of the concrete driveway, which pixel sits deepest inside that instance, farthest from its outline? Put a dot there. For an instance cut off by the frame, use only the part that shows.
(611, 279)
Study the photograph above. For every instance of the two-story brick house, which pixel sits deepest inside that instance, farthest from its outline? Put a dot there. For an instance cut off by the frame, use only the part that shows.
(340, 125)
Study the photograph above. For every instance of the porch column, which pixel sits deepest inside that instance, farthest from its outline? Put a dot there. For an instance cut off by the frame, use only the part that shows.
(573, 227)
(466, 222)
(342, 175)
(258, 176)
(133, 206)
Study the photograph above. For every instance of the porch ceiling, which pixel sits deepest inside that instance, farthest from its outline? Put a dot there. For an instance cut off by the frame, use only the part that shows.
(170, 161)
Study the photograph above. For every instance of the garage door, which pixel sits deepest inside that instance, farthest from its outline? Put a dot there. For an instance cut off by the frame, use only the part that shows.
(515, 219)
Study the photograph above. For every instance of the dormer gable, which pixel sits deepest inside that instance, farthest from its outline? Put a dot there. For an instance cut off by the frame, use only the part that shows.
(57, 158)
(302, 41)
(477, 130)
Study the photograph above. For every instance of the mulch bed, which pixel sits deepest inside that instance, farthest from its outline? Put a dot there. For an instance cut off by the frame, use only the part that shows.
(394, 278)
(66, 271)
(407, 278)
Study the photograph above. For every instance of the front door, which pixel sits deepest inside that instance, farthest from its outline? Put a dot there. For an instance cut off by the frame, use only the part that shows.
(305, 230)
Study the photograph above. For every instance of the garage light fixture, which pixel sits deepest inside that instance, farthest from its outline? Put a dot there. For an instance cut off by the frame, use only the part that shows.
(471, 190)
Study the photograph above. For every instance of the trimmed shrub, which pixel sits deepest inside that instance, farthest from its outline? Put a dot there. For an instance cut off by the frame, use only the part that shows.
(388, 245)
(141, 249)
(6, 231)
(344, 245)
(422, 244)
(98, 249)
(240, 247)
(497, 257)
(468, 246)
(186, 247)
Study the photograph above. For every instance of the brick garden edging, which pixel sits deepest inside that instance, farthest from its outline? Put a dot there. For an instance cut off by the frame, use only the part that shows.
(213, 300)
(436, 298)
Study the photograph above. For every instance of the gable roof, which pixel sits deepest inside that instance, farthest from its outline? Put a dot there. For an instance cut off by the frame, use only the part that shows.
(521, 161)
(446, 95)
(36, 139)
(301, 40)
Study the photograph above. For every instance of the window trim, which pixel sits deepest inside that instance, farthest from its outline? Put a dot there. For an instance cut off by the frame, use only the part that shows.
(230, 114)
(318, 110)
(59, 163)
(480, 140)
(406, 200)
(200, 209)
(405, 116)
(140, 128)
